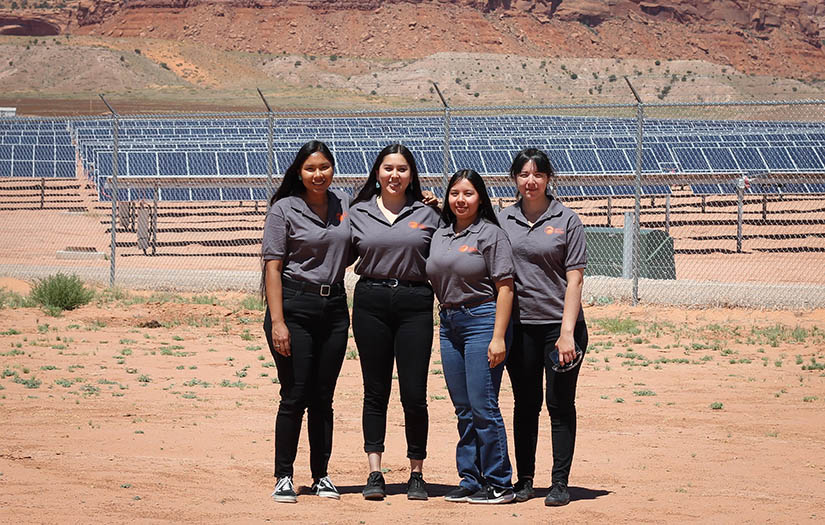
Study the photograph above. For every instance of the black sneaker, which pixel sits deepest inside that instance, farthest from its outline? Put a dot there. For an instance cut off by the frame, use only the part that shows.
(285, 491)
(417, 487)
(558, 495)
(459, 495)
(524, 489)
(492, 495)
(375, 488)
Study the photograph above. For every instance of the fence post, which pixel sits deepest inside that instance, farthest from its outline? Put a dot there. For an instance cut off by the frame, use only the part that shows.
(640, 116)
(154, 220)
(740, 196)
(446, 165)
(113, 247)
(270, 123)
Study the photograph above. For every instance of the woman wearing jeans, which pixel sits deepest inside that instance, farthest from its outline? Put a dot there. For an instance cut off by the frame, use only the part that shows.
(306, 248)
(549, 333)
(471, 268)
(392, 313)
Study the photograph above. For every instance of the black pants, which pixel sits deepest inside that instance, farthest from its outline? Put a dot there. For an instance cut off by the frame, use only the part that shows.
(394, 324)
(318, 334)
(529, 357)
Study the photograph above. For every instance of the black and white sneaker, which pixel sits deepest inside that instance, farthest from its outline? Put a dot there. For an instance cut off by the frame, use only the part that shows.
(491, 495)
(459, 495)
(285, 491)
(325, 488)
(376, 487)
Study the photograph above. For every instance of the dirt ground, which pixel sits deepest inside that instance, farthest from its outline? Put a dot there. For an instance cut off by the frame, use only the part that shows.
(710, 415)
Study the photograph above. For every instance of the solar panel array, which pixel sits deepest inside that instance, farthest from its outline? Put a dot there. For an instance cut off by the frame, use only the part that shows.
(166, 149)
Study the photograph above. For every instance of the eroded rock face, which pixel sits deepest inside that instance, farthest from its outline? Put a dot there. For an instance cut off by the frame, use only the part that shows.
(24, 25)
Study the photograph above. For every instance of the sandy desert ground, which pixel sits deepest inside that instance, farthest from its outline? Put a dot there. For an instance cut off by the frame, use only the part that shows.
(685, 415)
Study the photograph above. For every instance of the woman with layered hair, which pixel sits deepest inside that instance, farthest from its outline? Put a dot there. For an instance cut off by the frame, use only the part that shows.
(549, 331)
(471, 269)
(392, 308)
(306, 249)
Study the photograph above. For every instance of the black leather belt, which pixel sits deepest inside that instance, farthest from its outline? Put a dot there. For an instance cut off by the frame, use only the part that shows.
(393, 283)
(324, 290)
(471, 304)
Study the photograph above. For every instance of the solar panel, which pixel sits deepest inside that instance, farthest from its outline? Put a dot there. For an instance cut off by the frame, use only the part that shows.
(691, 159)
(173, 164)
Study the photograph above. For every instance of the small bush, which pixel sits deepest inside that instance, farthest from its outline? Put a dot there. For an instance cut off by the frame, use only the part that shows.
(9, 299)
(65, 292)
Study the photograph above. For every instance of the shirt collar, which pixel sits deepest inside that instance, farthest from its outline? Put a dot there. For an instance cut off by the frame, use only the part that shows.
(475, 227)
(371, 207)
(554, 209)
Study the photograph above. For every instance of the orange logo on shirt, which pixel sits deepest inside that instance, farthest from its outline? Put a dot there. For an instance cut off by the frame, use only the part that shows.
(341, 216)
(417, 225)
(550, 231)
(467, 249)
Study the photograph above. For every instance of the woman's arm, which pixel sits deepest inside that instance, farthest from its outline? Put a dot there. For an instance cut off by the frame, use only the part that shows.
(497, 350)
(572, 306)
(275, 302)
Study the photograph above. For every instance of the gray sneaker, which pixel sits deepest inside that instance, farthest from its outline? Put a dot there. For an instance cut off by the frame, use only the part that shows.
(558, 495)
(285, 491)
(375, 488)
(524, 489)
(325, 488)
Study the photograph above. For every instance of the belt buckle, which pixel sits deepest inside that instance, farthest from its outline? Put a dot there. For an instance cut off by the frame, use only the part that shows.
(392, 282)
(325, 291)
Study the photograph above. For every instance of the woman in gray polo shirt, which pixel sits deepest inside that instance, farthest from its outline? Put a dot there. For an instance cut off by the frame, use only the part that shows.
(549, 334)
(306, 249)
(471, 268)
(392, 311)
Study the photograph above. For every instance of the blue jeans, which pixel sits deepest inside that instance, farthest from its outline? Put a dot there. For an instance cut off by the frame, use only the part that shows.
(481, 452)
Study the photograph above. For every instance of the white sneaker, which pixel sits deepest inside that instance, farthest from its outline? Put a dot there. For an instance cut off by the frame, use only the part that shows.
(285, 491)
(325, 488)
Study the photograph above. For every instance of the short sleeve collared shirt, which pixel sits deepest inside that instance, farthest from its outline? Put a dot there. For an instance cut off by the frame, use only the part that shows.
(311, 250)
(543, 253)
(398, 250)
(464, 267)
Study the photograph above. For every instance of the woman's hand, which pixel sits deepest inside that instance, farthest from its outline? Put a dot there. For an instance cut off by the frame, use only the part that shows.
(496, 352)
(429, 198)
(567, 349)
(280, 339)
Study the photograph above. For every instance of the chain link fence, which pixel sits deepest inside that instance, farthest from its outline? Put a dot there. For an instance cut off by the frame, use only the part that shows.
(689, 204)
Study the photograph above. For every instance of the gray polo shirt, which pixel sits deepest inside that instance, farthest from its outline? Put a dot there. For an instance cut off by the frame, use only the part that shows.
(398, 250)
(311, 251)
(543, 253)
(464, 267)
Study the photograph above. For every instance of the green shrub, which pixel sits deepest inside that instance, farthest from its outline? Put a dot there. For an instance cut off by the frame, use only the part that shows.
(13, 299)
(65, 292)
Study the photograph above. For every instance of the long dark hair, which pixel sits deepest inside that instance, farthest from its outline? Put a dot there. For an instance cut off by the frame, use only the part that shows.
(485, 207)
(369, 189)
(539, 158)
(292, 184)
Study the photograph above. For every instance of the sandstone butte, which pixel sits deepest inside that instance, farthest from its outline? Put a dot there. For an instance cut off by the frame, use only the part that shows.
(778, 37)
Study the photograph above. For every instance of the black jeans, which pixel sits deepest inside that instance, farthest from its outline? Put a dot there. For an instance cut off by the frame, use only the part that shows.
(318, 329)
(529, 357)
(394, 324)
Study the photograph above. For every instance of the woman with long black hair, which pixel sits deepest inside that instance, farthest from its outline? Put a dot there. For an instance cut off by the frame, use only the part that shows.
(306, 249)
(550, 334)
(392, 308)
(471, 269)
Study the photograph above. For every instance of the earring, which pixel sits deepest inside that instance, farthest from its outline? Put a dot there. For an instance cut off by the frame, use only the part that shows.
(377, 186)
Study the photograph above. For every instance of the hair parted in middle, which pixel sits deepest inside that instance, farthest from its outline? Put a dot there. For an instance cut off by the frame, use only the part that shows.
(371, 186)
(292, 183)
(485, 206)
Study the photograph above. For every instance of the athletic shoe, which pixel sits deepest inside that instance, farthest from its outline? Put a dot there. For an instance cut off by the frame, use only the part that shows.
(375, 488)
(284, 491)
(325, 488)
(491, 495)
(558, 495)
(417, 487)
(524, 489)
(459, 495)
